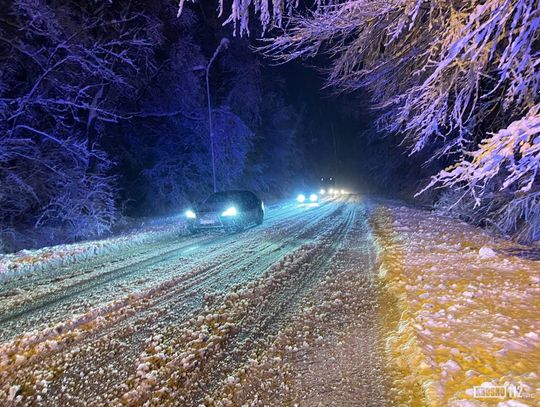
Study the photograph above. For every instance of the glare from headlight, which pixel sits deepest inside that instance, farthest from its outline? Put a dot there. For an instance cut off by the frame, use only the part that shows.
(190, 214)
(331, 190)
(300, 198)
(313, 197)
(322, 191)
(342, 191)
(230, 212)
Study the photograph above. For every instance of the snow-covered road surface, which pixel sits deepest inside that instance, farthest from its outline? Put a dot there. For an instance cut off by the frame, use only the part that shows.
(182, 321)
(29, 300)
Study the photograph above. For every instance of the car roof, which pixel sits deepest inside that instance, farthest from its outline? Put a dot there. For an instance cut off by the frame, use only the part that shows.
(233, 191)
(232, 194)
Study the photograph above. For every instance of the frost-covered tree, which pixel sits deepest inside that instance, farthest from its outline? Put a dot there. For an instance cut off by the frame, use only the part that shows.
(64, 71)
(497, 184)
(243, 78)
(177, 169)
(167, 142)
(277, 164)
(459, 78)
(256, 95)
(103, 106)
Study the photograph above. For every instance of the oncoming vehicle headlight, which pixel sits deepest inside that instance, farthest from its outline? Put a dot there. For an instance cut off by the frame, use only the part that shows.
(301, 198)
(190, 214)
(313, 197)
(322, 191)
(331, 190)
(230, 212)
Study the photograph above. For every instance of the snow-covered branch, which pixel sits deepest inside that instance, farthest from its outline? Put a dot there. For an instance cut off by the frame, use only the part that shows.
(64, 70)
(460, 79)
(512, 155)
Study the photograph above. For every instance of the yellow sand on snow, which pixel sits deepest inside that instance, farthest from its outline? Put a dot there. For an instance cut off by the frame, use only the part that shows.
(469, 307)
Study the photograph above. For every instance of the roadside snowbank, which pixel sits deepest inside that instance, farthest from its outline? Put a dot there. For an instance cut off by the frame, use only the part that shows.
(469, 306)
(47, 258)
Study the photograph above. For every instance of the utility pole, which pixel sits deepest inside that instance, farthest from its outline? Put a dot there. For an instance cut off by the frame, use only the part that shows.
(224, 43)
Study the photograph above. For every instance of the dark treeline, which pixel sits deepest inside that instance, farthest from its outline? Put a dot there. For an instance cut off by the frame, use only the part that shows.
(104, 118)
(103, 114)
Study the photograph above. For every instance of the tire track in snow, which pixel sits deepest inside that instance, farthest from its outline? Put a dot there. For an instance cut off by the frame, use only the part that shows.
(277, 312)
(331, 351)
(18, 319)
(280, 293)
(305, 227)
(53, 278)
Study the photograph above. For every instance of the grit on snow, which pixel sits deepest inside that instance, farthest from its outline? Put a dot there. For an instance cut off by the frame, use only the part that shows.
(469, 307)
(182, 320)
(347, 303)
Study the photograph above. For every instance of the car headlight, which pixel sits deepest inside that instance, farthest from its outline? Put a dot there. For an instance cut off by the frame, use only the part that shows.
(313, 197)
(322, 191)
(343, 191)
(301, 198)
(230, 212)
(331, 190)
(190, 214)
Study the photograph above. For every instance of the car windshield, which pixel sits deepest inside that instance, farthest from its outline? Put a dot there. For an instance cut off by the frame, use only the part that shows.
(220, 199)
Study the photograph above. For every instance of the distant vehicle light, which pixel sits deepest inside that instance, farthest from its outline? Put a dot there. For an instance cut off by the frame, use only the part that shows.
(313, 197)
(301, 198)
(342, 191)
(230, 212)
(331, 190)
(190, 214)
(322, 191)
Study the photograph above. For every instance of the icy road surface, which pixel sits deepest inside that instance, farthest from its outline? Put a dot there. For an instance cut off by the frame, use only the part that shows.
(281, 314)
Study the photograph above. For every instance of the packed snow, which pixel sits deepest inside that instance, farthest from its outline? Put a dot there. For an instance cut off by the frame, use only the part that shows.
(468, 305)
(188, 333)
(347, 303)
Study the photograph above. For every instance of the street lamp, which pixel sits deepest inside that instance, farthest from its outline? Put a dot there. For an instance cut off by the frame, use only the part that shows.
(223, 44)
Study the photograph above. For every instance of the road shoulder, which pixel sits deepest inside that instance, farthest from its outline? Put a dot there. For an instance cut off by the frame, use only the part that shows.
(468, 307)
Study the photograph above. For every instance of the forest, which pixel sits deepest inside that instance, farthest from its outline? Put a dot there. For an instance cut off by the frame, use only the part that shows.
(103, 106)
(459, 80)
(104, 114)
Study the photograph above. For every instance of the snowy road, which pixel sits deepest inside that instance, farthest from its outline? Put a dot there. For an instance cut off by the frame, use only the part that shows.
(181, 322)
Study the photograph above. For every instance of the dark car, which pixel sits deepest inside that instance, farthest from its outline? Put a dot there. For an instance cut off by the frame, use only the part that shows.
(228, 210)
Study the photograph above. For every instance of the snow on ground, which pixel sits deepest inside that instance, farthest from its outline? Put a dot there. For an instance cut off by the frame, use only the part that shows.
(330, 352)
(468, 332)
(304, 310)
(47, 258)
(55, 257)
(35, 300)
(108, 354)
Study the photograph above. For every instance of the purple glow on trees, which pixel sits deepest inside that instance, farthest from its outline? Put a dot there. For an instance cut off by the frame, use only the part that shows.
(101, 105)
(102, 112)
(63, 76)
(459, 78)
